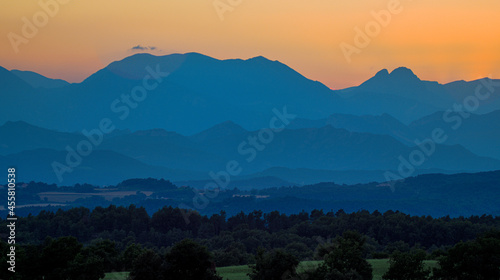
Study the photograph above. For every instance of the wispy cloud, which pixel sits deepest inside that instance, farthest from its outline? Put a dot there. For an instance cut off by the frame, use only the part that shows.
(143, 48)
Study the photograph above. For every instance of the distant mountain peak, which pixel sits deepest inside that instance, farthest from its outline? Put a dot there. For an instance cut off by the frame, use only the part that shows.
(133, 59)
(382, 77)
(382, 73)
(399, 78)
(260, 58)
(134, 66)
(196, 54)
(403, 73)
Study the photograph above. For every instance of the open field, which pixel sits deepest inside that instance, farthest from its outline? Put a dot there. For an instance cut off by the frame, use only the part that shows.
(380, 266)
(62, 197)
(116, 276)
(239, 272)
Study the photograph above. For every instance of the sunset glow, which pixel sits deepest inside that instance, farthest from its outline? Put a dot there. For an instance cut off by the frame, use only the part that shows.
(443, 41)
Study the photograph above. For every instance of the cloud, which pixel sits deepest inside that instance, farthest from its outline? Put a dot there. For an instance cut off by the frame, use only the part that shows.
(143, 48)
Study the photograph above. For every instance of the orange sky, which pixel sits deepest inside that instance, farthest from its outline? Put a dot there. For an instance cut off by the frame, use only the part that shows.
(439, 40)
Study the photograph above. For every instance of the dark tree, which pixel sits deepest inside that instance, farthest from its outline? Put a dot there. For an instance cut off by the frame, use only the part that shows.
(105, 250)
(276, 264)
(188, 260)
(30, 256)
(57, 255)
(345, 259)
(408, 266)
(86, 266)
(479, 259)
(129, 255)
(147, 266)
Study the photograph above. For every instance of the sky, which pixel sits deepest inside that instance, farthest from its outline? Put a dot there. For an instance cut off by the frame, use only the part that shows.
(337, 42)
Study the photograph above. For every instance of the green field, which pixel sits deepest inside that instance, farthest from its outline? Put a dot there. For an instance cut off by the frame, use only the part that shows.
(116, 276)
(240, 272)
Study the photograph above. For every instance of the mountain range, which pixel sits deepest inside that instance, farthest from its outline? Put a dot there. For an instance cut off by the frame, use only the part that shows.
(295, 156)
(182, 116)
(192, 92)
(478, 133)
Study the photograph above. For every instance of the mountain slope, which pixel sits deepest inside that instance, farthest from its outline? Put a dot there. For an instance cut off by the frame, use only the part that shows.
(198, 92)
(18, 99)
(324, 148)
(399, 93)
(304, 176)
(383, 124)
(217, 131)
(190, 92)
(478, 133)
(162, 148)
(337, 149)
(438, 195)
(405, 96)
(19, 136)
(100, 167)
(39, 81)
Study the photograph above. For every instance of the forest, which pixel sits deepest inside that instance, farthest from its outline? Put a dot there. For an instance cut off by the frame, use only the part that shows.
(80, 243)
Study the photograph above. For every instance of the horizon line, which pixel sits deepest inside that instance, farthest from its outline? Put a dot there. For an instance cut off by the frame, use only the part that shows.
(243, 59)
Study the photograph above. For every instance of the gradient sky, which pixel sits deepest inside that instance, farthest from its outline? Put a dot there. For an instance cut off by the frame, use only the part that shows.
(439, 40)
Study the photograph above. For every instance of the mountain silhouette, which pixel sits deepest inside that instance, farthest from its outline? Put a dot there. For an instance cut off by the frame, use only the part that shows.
(191, 92)
(39, 81)
(308, 149)
(100, 167)
(186, 115)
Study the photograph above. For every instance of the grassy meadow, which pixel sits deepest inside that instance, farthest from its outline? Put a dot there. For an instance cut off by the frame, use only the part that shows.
(239, 272)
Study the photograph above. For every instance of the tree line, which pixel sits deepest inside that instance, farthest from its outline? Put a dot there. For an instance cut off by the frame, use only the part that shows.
(112, 238)
(65, 258)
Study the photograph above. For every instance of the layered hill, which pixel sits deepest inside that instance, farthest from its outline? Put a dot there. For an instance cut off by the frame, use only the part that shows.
(326, 153)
